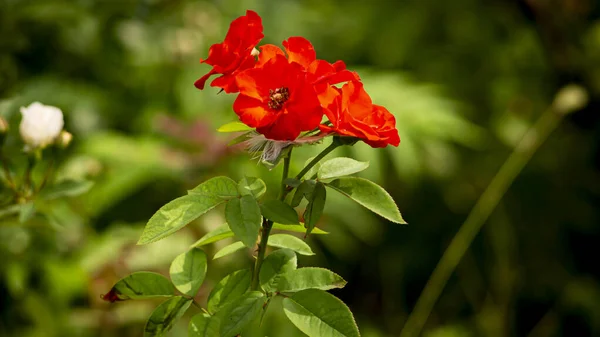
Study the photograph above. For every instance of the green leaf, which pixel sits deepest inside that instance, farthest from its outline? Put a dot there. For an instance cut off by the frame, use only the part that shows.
(313, 170)
(339, 167)
(67, 188)
(234, 127)
(188, 271)
(241, 138)
(221, 187)
(277, 263)
(140, 285)
(318, 313)
(252, 186)
(176, 215)
(297, 228)
(293, 182)
(369, 195)
(310, 278)
(315, 207)
(229, 249)
(219, 233)
(229, 289)
(26, 211)
(290, 242)
(165, 316)
(304, 190)
(238, 314)
(244, 219)
(280, 212)
(204, 325)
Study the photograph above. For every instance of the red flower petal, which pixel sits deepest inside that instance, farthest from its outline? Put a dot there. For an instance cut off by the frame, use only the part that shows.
(300, 50)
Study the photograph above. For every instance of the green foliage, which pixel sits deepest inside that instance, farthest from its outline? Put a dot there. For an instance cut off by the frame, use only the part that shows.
(219, 187)
(229, 289)
(298, 229)
(317, 313)
(315, 207)
(290, 242)
(176, 215)
(140, 285)
(279, 212)
(223, 232)
(188, 271)
(204, 325)
(67, 188)
(304, 190)
(218, 234)
(252, 186)
(339, 167)
(244, 218)
(309, 278)
(276, 264)
(240, 313)
(229, 249)
(369, 195)
(165, 315)
(234, 127)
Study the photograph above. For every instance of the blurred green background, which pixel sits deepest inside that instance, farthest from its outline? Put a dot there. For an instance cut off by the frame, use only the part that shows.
(464, 78)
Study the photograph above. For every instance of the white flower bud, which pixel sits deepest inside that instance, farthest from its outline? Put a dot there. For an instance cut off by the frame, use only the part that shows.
(40, 125)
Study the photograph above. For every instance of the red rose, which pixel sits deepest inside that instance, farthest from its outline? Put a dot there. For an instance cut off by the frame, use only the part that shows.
(321, 73)
(277, 97)
(234, 54)
(352, 113)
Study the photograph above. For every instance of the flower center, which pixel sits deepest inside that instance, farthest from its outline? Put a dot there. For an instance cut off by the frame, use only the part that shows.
(277, 97)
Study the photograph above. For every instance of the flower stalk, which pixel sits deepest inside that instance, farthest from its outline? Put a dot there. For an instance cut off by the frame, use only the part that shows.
(268, 225)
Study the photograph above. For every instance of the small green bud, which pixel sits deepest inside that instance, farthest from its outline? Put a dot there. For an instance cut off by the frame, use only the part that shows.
(64, 139)
(570, 98)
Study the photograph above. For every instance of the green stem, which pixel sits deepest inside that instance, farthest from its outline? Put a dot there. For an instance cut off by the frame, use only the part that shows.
(27, 181)
(46, 175)
(486, 204)
(318, 158)
(10, 182)
(267, 226)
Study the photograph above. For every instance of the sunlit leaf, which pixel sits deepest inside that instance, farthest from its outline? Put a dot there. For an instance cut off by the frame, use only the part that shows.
(252, 186)
(291, 242)
(234, 127)
(237, 315)
(318, 313)
(310, 278)
(140, 285)
(188, 271)
(369, 195)
(229, 289)
(204, 325)
(339, 167)
(176, 215)
(244, 219)
(277, 263)
(298, 228)
(229, 249)
(165, 316)
(222, 187)
(218, 234)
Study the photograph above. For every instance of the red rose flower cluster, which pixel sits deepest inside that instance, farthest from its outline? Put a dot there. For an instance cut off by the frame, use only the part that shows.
(283, 93)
